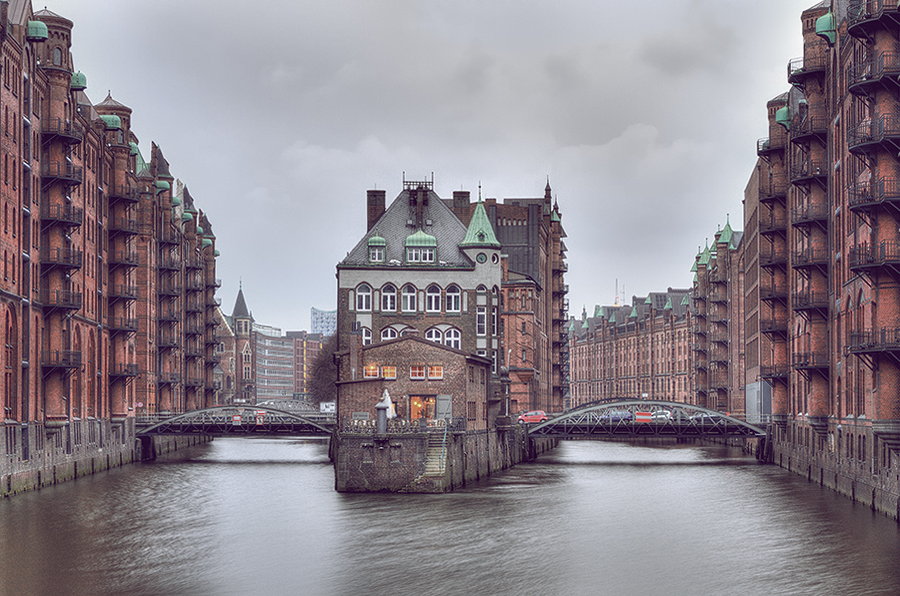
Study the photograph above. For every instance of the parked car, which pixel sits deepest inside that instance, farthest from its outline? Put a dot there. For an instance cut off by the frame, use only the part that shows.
(616, 416)
(704, 418)
(532, 417)
(661, 416)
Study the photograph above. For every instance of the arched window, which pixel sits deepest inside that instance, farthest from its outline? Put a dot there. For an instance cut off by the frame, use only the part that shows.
(366, 336)
(389, 298)
(453, 299)
(57, 57)
(408, 298)
(388, 333)
(452, 338)
(434, 334)
(433, 299)
(364, 297)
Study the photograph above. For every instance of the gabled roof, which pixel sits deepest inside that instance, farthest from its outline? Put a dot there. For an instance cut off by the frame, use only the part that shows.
(395, 226)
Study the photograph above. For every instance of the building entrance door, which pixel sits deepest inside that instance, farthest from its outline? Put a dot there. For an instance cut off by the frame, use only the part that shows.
(421, 406)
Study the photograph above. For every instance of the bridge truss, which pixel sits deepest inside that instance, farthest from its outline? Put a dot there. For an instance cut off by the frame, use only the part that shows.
(643, 418)
(231, 421)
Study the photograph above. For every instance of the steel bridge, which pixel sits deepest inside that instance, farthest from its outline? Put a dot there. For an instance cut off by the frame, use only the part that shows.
(239, 421)
(643, 418)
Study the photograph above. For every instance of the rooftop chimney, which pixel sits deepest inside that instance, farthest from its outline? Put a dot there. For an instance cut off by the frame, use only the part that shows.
(374, 206)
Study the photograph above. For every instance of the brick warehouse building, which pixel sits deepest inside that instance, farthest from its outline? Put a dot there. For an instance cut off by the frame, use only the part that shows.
(823, 212)
(109, 268)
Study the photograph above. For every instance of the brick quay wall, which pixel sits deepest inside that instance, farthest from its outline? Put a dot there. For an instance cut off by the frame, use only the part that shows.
(428, 462)
(33, 456)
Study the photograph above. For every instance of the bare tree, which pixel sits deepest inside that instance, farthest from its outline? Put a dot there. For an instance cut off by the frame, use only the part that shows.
(324, 374)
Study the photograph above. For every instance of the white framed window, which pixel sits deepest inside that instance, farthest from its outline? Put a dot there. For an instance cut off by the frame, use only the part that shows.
(419, 254)
(376, 254)
(433, 299)
(388, 333)
(434, 334)
(435, 371)
(370, 371)
(481, 321)
(408, 298)
(389, 298)
(366, 336)
(452, 338)
(417, 371)
(389, 372)
(364, 297)
(453, 302)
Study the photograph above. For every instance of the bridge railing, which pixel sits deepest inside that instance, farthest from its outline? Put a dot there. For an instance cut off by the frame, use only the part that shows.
(403, 426)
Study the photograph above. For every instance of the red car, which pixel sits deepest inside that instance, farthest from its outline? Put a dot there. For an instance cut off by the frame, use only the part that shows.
(533, 416)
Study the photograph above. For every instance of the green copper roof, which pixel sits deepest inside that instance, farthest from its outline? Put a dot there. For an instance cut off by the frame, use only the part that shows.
(633, 312)
(825, 27)
(727, 234)
(480, 232)
(162, 185)
(111, 121)
(199, 231)
(694, 266)
(79, 81)
(176, 201)
(377, 240)
(668, 305)
(599, 312)
(648, 300)
(686, 300)
(783, 117)
(134, 148)
(420, 238)
(612, 317)
(206, 242)
(187, 217)
(704, 257)
(554, 216)
(216, 252)
(37, 32)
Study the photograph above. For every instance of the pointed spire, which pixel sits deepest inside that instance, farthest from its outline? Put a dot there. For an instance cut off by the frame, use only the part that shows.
(240, 310)
(480, 232)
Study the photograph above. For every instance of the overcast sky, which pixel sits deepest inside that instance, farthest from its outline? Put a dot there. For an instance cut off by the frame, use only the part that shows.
(279, 114)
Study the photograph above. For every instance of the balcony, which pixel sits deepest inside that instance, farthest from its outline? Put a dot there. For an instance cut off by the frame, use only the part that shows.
(64, 172)
(167, 378)
(123, 292)
(193, 328)
(886, 339)
(772, 223)
(68, 258)
(63, 130)
(213, 282)
(773, 188)
(866, 16)
(169, 235)
(774, 372)
(810, 301)
(773, 326)
(213, 301)
(872, 135)
(168, 316)
(124, 225)
(813, 63)
(167, 341)
(810, 257)
(123, 258)
(866, 195)
(61, 299)
(870, 259)
(168, 289)
(809, 360)
(865, 77)
(193, 382)
(771, 145)
(123, 325)
(773, 257)
(192, 284)
(809, 214)
(769, 292)
(123, 370)
(193, 261)
(125, 193)
(194, 351)
(809, 170)
(810, 125)
(64, 214)
(61, 359)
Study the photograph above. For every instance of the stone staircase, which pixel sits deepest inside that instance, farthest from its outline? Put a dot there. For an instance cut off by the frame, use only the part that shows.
(434, 460)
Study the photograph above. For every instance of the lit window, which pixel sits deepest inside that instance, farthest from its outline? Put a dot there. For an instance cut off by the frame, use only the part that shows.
(364, 297)
(370, 371)
(433, 299)
(434, 334)
(389, 372)
(453, 299)
(417, 371)
(452, 338)
(388, 333)
(389, 298)
(408, 298)
(435, 371)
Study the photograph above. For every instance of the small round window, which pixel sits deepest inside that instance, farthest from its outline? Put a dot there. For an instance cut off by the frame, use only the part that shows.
(481, 257)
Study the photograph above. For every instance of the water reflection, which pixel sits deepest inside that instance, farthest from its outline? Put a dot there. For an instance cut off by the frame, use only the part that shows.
(261, 517)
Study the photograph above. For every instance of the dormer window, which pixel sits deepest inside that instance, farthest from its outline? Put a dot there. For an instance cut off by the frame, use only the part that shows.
(420, 247)
(376, 248)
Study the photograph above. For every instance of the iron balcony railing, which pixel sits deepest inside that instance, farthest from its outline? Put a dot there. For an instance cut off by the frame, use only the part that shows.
(771, 144)
(773, 187)
(861, 13)
(61, 299)
(862, 75)
(807, 360)
(866, 256)
(124, 370)
(61, 359)
(126, 258)
(809, 300)
(868, 193)
(167, 378)
(886, 339)
(808, 214)
(68, 172)
(772, 256)
(773, 372)
(66, 214)
(124, 192)
(63, 257)
(873, 131)
(772, 292)
(404, 426)
(774, 325)
(123, 324)
(814, 60)
(772, 222)
(811, 256)
(813, 122)
(125, 225)
(123, 291)
(57, 127)
(807, 169)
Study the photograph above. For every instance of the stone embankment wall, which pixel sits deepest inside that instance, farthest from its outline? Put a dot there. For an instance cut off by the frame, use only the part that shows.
(34, 456)
(428, 462)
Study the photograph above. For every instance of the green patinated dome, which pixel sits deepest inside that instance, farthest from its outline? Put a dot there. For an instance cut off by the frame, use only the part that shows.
(111, 121)
(420, 238)
(37, 32)
(79, 81)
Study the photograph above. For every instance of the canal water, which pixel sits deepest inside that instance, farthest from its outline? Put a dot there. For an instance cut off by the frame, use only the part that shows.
(248, 517)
